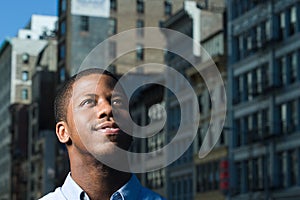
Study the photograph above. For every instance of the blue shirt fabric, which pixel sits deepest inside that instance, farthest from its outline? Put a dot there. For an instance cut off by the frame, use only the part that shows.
(132, 190)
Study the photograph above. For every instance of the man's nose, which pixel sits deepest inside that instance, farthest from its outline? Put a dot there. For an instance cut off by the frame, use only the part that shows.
(104, 109)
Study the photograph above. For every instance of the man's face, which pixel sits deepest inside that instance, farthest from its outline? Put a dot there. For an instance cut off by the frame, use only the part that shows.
(92, 126)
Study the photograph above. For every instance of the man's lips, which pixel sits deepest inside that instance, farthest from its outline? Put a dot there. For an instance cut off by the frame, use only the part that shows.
(108, 128)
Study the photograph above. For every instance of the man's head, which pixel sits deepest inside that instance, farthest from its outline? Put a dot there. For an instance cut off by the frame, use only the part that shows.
(89, 111)
(64, 94)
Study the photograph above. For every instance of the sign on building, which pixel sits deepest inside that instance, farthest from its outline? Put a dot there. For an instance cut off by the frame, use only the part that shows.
(93, 8)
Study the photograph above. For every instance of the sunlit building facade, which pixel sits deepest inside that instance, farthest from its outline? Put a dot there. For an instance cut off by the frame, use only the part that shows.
(264, 77)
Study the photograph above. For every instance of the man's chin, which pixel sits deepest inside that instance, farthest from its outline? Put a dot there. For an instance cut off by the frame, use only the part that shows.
(112, 155)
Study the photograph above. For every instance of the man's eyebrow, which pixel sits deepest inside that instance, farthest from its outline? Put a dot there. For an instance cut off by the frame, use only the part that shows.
(91, 95)
(118, 93)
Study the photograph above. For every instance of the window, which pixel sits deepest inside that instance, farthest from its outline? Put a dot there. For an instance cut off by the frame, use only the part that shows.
(293, 121)
(63, 5)
(200, 102)
(62, 28)
(200, 136)
(140, 6)
(62, 75)
(208, 177)
(249, 42)
(62, 51)
(238, 171)
(254, 173)
(241, 87)
(241, 45)
(267, 32)
(263, 33)
(282, 71)
(293, 166)
(113, 5)
(265, 121)
(25, 76)
(283, 118)
(293, 67)
(168, 7)
(258, 36)
(257, 89)
(293, 19)
(140, 26)
(282, 25)
(112, 27)
(249, 85)
(237, 131)
(282, 165)
(84, 23)
(25, 58)
(140, 52)
(24, 94)
(260, 172)
(155, 179)
(265, 76)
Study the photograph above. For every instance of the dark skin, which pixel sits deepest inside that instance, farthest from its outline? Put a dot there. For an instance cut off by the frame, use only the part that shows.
(91, 106)
(97, 178)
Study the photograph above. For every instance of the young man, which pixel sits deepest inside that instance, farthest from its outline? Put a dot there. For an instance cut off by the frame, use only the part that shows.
(86, 124)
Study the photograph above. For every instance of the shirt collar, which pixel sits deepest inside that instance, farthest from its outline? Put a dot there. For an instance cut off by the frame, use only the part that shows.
(72, 190)
(130, 190)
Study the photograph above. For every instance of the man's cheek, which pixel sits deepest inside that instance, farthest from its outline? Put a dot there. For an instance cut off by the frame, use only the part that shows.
(123, 120)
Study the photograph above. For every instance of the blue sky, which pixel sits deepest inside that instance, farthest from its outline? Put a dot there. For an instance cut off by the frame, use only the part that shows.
(15, 14)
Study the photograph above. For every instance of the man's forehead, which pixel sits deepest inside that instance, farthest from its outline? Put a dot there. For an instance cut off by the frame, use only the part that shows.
(95, 79)
(98, 81)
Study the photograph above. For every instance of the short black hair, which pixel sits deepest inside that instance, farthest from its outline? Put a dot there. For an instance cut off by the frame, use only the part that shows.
(64, 93)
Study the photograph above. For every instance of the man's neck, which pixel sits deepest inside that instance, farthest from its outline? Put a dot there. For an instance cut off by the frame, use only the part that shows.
(97, 179)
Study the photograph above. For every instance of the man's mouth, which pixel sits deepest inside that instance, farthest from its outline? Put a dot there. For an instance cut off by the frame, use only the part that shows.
(107, 128)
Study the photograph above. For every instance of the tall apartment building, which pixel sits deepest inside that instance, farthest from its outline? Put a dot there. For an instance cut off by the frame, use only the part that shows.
(131, 14)
(263, 77)
(82, 25)
(19, 149)
(42, 142)
(18, 58)
(190, 177)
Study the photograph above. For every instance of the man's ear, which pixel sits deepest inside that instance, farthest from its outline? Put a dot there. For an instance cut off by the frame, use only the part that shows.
(62, 132)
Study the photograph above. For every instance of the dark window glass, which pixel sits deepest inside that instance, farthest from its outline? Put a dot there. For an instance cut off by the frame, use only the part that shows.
(168, 7)
(113, 5)
(84, 23)
(140, 52)
(140, 6)
(140, 25)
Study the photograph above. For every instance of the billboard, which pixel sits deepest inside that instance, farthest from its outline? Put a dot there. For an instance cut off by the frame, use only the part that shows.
(93, 8)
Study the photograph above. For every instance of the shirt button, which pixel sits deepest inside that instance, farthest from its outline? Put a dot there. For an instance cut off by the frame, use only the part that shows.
(117, 196)
(83, 196)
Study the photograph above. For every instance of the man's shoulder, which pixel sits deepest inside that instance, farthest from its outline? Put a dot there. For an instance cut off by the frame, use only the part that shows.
(147, 194)
(57, 194)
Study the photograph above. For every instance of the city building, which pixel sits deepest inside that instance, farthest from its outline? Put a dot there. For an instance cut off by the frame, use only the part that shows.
(18, 58)
(190, 177)
(19, 149)
(39, 27)
(42, 142)
(139, 14)
(82, 25)
(263, 82)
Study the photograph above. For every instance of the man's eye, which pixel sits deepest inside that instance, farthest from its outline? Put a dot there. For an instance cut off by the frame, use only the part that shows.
(117, 102)
(88, 102)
